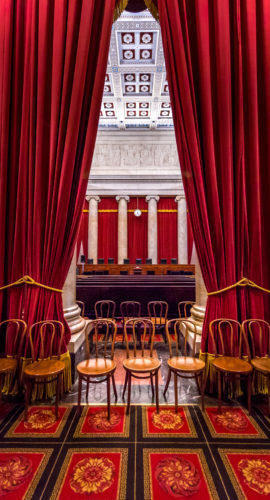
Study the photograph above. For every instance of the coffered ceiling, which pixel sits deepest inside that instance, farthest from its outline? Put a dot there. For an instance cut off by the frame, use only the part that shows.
(136, 90)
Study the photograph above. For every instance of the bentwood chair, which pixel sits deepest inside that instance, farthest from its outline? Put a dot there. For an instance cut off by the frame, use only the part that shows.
(184, 308)
(13, 331)
(180, 363)
(82, 307)
(141, 365)
(101, 366)
(129, 309)
(158, 313)
(230, 344)
(105, 309)
(258, 332)
(45, 367)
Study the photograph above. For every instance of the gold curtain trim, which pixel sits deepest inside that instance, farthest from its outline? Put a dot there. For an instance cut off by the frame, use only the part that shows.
(152, 8)
(119, 8)
(242, 282)
(29, 281)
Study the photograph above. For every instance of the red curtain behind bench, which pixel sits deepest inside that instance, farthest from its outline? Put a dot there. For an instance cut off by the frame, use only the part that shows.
(108, 229)
(82, 240)
(137, 230)
(167, 229)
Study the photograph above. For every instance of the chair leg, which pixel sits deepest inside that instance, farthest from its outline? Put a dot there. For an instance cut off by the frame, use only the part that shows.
(249, 393)
(109, 396)
(28, 384)
(152, 385)
(57, 395)
(268, 385)
(168, 381)
(197, 383)
(175, 392)
(114, 387)
(219, 391)
(1, 385)
(79, 391)
(129, 391)
(156, 384)
(87, 389)
(202, 388)
(125, 385)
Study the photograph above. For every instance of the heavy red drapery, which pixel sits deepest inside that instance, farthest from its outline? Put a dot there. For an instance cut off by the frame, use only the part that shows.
(217, 57)
(137, 230)
(167, 229)
(53, 58)
(82, 239)
(108, 229)
(190, 239)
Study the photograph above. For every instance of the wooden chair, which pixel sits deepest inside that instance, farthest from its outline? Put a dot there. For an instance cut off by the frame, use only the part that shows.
(184, 308)
(102, 363)
(15, 330)
(81, 306)
(228, 338)
(129, 309)
(158, 313)
(140, 365)
(258, 331)
(105, 309)
(181, 364)
(44, 369)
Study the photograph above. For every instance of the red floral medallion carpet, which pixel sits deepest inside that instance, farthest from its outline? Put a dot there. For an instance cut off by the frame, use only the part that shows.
(144, 456)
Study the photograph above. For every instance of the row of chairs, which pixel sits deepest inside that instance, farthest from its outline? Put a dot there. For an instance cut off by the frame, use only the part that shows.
(125, 261)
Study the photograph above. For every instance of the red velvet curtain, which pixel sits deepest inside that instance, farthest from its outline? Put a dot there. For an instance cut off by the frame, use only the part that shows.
(108, 229)
(137, 230)
(82, 240)
(167, 229)
(190, 239)
(53, 58)
(217, 56)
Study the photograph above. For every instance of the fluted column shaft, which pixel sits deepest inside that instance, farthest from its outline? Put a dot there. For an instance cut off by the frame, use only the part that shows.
(71, 309)
(93, 227)
(182, 229)
(122, 228)
(152, 227)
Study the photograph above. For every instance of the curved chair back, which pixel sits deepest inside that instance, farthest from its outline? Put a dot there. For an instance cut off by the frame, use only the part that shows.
(158, 311)
(258, 332)
(130, 309)
(143, 328)
(105, 309)
(184, 308)
(181, 329)
(81, 306)
(46, 338)
(228, 338)
(102, 348)
(15, 330)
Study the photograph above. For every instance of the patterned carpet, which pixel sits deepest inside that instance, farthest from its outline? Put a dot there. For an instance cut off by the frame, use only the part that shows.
(144, 456)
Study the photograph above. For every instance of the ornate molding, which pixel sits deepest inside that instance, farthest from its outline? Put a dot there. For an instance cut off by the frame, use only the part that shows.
(93, 197)
(122, 197)
(152, 197)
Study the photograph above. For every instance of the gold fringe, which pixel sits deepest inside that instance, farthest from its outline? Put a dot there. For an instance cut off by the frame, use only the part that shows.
(152, 8)
(119, 8)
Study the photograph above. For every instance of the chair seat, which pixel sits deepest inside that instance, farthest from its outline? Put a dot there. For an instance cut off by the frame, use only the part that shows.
(261, 365)
(233, 365)
(8, 365)
(44, 368)
(141, 364)
(96, 367)
(159, 321)
(186, 363)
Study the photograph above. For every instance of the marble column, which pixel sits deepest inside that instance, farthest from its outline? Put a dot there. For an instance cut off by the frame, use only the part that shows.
(93, 227)
(152, 227)
(122, 228)
(71, 309)
(198, 310)
(182, 229)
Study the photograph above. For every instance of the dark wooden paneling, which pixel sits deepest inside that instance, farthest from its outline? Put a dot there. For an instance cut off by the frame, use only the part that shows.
(160, 269)
(144, 288)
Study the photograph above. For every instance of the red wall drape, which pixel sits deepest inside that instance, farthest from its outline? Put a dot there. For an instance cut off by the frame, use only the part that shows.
(217, 57)
(137, 230)
(53, 58)
(108, 229)
(167, 229)
(82, 240)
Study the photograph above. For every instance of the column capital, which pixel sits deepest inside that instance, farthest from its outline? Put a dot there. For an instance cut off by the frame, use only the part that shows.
(120, 197)
(94, 197)
(180, 197)
(152, 197)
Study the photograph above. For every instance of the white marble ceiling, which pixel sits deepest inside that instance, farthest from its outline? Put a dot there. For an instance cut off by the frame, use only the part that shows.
(136, 90)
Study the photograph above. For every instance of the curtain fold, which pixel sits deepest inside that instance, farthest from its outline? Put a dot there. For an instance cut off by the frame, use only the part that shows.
(53, 58)
(217, 56)
(108, 229)
(137, 230)
(167, 229)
